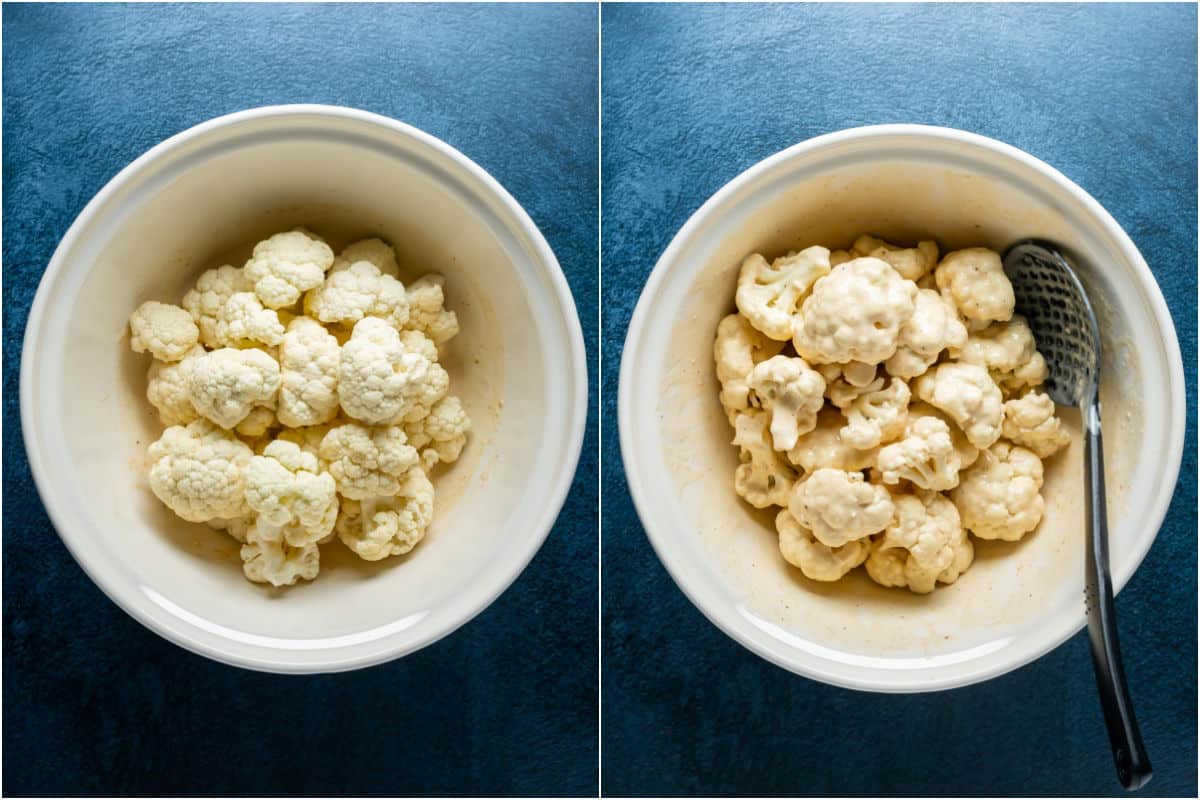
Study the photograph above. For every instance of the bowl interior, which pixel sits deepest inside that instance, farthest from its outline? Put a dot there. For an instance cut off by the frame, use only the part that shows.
(204, 203)
(1017, 600)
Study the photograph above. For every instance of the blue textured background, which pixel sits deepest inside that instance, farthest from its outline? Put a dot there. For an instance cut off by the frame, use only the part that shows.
(692, 96)
(94, 703)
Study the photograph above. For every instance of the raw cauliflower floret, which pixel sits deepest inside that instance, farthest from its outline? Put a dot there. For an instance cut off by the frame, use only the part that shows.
(308, 438)
(225, 385)
(237, 527)
(419, 343)
(738, 348)
(267, 557)
(840, 257)
(792, 392)
(1030, 422)
(974, 281)
(1008, 351)
(197, 471)
(167, 389)
(924, 543)
(816, 560)
(167, 332)
(367, 462)
(287, 265)
(378, 527)
(309, 357)
(244, 322)
(427, 312)
(287, 488)
(845, 382)
(998, 497)
(212, 291)
(933, 327)
(854, 314)
(360, 290)
(967, 452)
(763, 478)
(769, 295)
(912, 263)
(442, 434)
(380, 381)
(878, 416)
(376, 251)
(968, 395)
(839, 506)
(925, 457)
(825, 447)
(260, 420)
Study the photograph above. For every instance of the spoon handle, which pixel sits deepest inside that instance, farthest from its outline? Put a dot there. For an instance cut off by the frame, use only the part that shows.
(1133, 765)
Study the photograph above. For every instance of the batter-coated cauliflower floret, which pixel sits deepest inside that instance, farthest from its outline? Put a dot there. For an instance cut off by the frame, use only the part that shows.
(309, 357)
(427, 312)
(212, 291)
(792, 392)
(1008, 351)
(226, 384)
(738, 348)
(441, 435)
(1030, 422)
(376, 251)
(825, 447)
(933, 326)
(380, 381)
(974, 280)
(817, 561)
(911, 262)
(360, 290)
(878, 416)
(367, 462)
(845, 382)
(287, 488)
(167, 389)
(998, 497)
(378, 527)
(286, 266)
(763, 478)
(769, 295)
(839, 506)
(854, 314)
(968, 395)
(924, 543)
(167, 332)
(967, 452)
(925, 456)
(244, 322)
(197, 471)
(267, 557)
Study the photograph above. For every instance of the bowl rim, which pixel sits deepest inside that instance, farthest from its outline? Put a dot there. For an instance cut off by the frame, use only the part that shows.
(385, 647)
(726, 619)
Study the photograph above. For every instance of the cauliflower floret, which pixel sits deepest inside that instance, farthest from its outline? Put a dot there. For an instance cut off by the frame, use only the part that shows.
(854, 314)
(360, 290)
(1030, 422)
(166, 331)
(442, 434)
(286, 487)
(974, 281)
(924, 543)
(378, 527)
(197, 471)
(967, 452)
(769, 295)
(912, 263)
(419, 343)
(367, 462)
(237, 527)
(763, 478)
(998, 497)
(792, 392)
(840, 257)
(933, 327)
(226, 384)
(244, 322)
(260, 420)
(427, 312)
(1008, 351)
(308, 438)
(845, 382)
(380, 381)
(969, 396)
(268, 557)
(925, 456)
(825, 447)
(878, 416)
(309, 357)
(212, 291)
(839, 506)
(817, 561)
(167, 389)
(739, 346)
(286, 266)
(376, 251)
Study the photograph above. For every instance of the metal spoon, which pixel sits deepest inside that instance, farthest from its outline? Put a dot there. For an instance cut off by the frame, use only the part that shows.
(1050, 296)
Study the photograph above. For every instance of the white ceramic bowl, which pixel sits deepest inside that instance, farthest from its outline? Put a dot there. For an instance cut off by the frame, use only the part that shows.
(203, 197)
(1018, 601)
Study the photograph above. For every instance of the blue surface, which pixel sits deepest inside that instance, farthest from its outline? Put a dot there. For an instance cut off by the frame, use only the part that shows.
(695, 94)
(96, 704)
